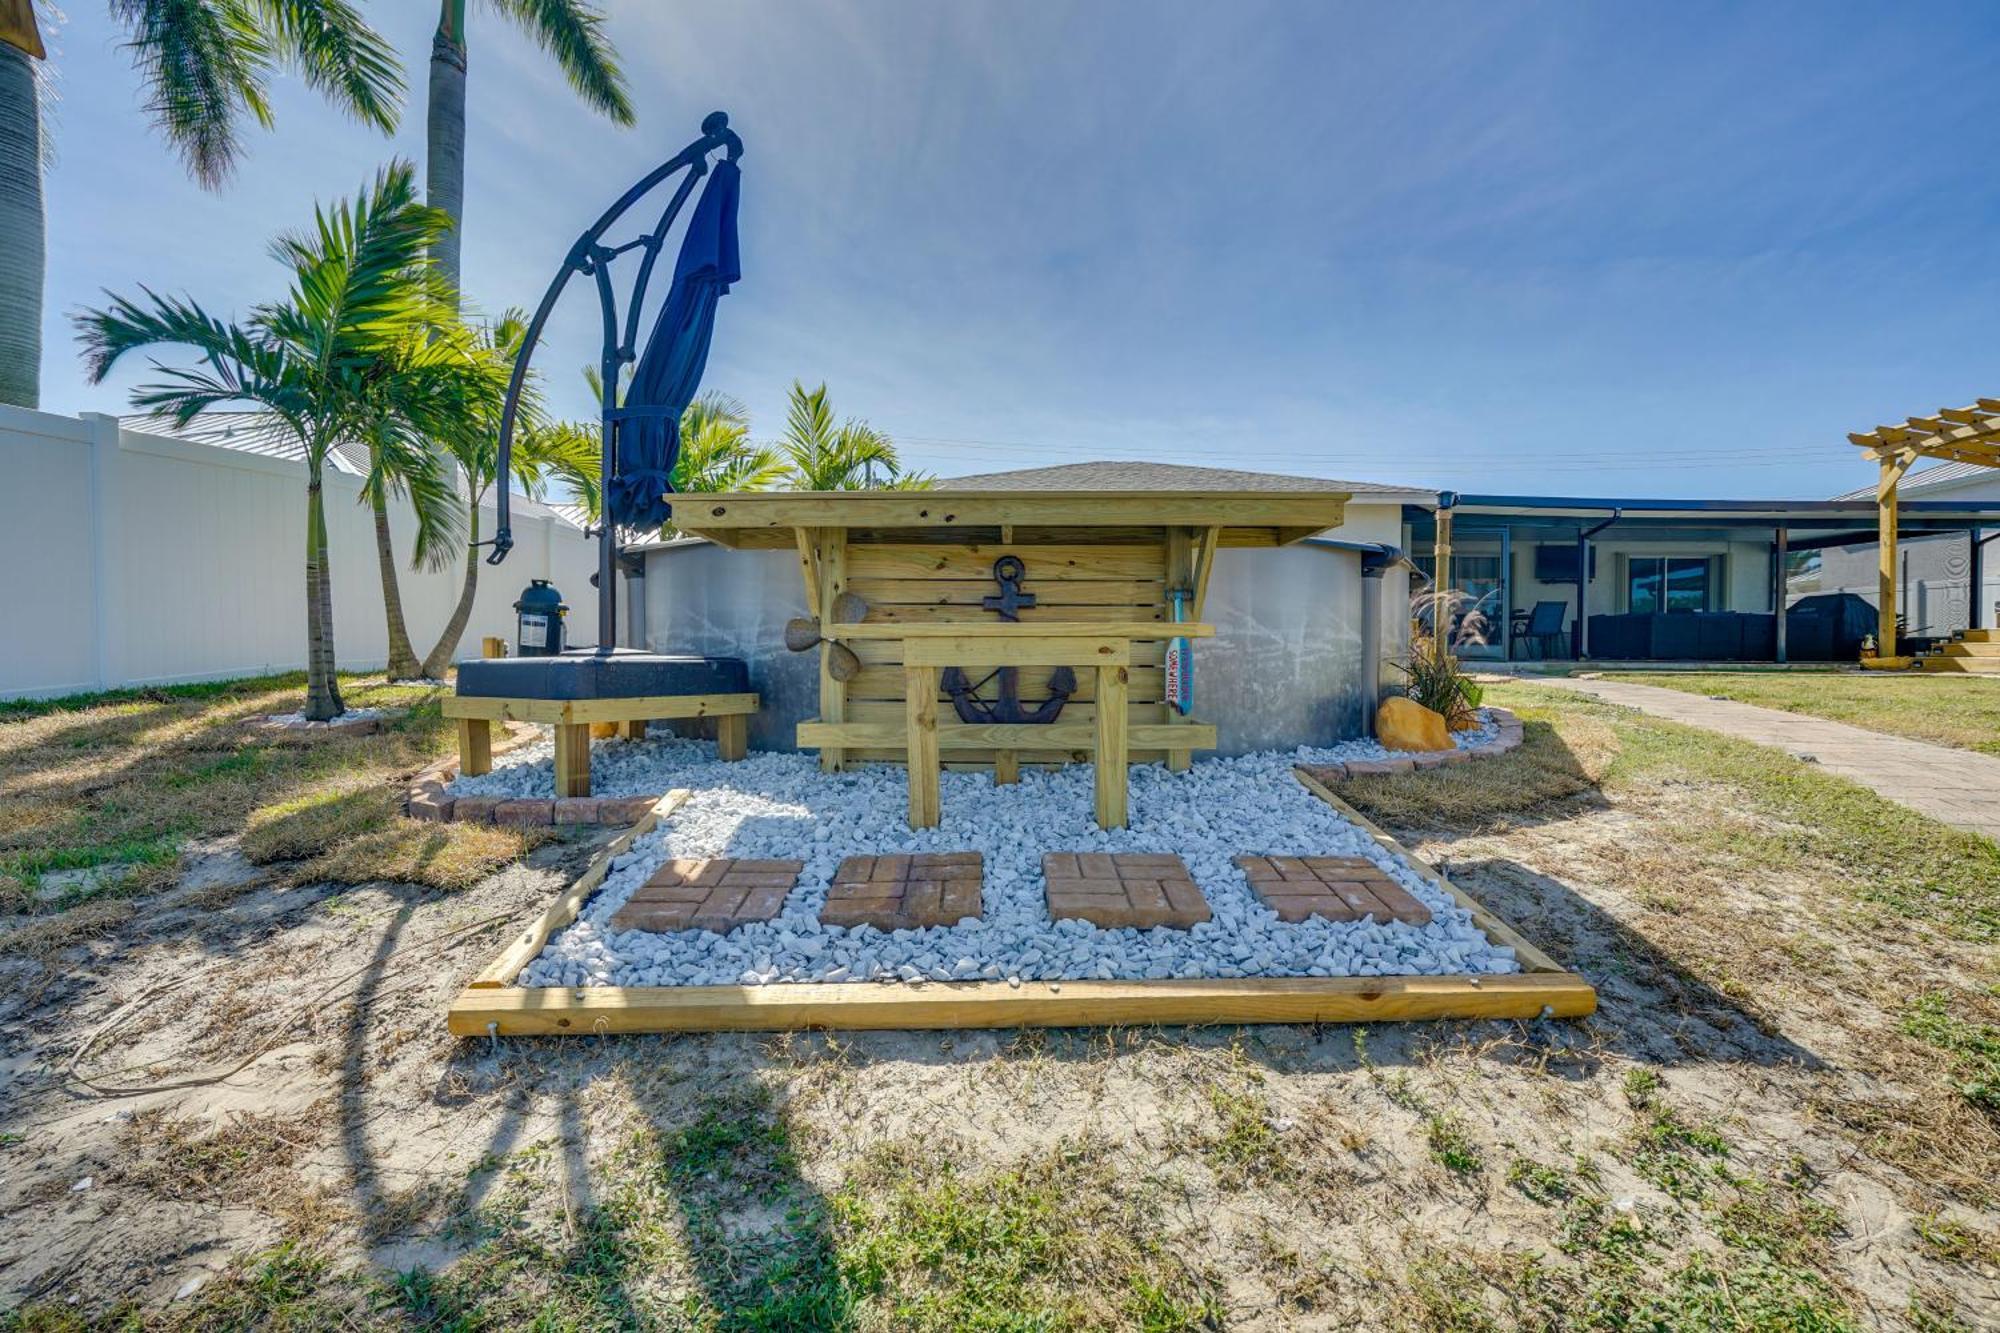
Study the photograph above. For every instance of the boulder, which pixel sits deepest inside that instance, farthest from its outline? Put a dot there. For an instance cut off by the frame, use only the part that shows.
(1405, 724)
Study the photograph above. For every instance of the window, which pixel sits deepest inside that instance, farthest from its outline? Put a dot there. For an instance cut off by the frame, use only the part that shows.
(1657, 583)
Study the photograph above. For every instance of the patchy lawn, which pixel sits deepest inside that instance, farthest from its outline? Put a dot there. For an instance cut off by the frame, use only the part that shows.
(1783, 1117)
(1956, 710)
(115, 789)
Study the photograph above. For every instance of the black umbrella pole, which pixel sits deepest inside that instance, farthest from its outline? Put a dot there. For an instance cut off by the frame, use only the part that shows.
(607, 529)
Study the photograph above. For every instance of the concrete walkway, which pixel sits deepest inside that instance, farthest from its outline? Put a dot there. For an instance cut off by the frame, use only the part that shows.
(1956, 787)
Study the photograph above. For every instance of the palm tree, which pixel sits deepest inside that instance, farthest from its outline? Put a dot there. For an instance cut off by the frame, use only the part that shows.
(541, 448)
(568, 30)
(205, 67)
(363, 346)
(820, 456)
(716, 451)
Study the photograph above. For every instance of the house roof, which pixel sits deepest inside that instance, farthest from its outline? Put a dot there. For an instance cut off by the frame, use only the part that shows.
(1943, 474)
(1132, 476)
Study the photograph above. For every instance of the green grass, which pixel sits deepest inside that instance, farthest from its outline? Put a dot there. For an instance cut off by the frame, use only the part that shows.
(1870, 849)
(1957, 710)
(1974, 1048)
(127, 779)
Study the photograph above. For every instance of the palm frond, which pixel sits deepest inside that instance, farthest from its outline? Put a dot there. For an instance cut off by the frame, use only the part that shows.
(824, 457)
(340, 56)
(572, 32)
(204, 64)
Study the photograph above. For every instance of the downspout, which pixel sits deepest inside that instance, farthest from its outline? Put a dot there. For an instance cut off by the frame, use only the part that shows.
(1371, 639)
(1583, 537)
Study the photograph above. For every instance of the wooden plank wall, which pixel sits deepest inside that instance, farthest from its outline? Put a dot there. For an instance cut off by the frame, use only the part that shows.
(937, 582)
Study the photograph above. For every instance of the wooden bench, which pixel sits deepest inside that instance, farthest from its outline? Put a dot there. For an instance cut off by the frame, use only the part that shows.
(572, 719)
(928, 649)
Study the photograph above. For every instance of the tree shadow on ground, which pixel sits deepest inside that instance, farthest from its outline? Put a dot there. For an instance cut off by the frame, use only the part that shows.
(624, 1182)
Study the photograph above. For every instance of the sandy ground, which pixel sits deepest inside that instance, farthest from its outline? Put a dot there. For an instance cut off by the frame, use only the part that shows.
(365, 1128)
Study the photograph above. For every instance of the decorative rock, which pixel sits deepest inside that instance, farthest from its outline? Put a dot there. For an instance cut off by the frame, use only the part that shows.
(1404, 724)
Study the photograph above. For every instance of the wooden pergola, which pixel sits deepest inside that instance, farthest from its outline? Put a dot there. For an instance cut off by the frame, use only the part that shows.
(1954, 434)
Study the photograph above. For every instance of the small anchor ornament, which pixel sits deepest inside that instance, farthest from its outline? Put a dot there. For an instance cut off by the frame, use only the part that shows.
(1008, 604)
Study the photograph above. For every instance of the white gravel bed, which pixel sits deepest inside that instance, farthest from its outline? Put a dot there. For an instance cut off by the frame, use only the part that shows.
(782, 806)
(617, 768)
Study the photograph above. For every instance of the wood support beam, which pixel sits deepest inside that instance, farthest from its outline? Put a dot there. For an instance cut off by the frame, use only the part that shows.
(830, 571)
(1112, 755)
(572, 759)
(475, 746)
(920, 691)
(1885, 573)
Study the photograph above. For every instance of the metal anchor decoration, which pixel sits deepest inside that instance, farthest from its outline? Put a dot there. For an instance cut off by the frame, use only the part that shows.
(1008, 603)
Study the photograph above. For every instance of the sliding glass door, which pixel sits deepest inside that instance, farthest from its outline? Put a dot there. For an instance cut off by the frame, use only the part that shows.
(1656, 583)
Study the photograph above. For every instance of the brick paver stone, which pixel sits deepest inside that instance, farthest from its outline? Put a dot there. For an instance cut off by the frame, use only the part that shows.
(1339, 888)
(1112, 889)
(718, 894)
(905, 892)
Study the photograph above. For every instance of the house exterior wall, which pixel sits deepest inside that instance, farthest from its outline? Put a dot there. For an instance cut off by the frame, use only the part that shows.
(145, 560)
(1934, 572)
(1283, 670)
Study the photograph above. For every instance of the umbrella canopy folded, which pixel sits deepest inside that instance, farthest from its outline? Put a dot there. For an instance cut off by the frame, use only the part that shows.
(669, 370)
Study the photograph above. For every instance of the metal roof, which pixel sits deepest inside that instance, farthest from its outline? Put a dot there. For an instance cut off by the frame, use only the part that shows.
(1130, 476)
(1943, 474)
(1647, 511)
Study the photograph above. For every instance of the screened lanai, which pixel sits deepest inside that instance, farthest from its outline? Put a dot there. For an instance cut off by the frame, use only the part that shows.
(1690, 580)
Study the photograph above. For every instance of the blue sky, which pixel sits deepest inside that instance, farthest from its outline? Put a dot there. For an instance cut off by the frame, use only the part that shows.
(1528, 248)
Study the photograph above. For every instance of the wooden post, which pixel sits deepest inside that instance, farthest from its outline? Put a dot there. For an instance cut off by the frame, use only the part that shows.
(572, 759)
(1180, 574)
(1778, 593)
(732, 736)
(635, 730)
(1440, 576)
(830, 544)
(1885, 573)
(1006, 767)
(493, 646)
(475, 746)
(1111, 757)
(920, 690)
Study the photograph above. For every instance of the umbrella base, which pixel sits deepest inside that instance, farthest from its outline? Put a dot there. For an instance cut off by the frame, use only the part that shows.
(594, 673)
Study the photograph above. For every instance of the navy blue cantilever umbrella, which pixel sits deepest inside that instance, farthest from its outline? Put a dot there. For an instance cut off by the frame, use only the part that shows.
(669, 370)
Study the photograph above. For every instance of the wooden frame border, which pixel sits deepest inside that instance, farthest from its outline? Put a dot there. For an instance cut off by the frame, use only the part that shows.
(490, 1007)
(555, 712)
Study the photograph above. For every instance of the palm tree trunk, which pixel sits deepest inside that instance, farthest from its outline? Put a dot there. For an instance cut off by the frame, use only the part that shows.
(23, 231)
(403, 663)
(440, 657)
(323, 702)
(444, 134)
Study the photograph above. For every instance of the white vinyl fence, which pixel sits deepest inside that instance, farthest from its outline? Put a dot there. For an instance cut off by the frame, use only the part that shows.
(135, 559)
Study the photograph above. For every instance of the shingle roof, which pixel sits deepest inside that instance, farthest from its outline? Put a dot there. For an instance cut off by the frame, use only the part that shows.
(1134, 476)
(1943, 474)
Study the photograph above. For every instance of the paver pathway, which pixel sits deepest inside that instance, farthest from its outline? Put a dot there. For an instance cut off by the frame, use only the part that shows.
(1956, 787)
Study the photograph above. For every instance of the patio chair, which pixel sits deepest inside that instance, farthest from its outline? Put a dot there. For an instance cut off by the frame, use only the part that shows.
(1544, 635)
